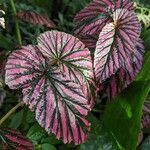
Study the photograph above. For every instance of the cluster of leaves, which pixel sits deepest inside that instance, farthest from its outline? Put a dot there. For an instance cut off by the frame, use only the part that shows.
(58, 73)
(119, 51)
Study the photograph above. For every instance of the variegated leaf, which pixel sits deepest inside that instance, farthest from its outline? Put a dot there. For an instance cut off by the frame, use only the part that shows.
(116, 43)
(35, 18)
(19, 70)
(68, 53)
(13, 140)
(126, 74)
(97, 14)
(50, 84)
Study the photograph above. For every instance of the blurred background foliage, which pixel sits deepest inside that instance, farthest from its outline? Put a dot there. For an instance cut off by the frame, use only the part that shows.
(62, 13)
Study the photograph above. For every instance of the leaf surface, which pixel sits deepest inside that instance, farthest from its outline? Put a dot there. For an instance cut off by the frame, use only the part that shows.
(116, 43)
(97, 14)
(126, 74)
(67, 52)
(35, 18)
(52, 77)
(126, 110)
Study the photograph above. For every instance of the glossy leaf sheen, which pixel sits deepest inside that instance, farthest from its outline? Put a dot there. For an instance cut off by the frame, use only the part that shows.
(35, 18)
(116, 43)
(57, 94)
(146, 144)
(126, 110)
(12, 139)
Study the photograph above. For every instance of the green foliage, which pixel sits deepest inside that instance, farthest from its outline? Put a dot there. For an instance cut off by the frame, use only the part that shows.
(145, 72)
(99, 138)
(16, 119)
(48, 146)
(35, 133)
(126, 110)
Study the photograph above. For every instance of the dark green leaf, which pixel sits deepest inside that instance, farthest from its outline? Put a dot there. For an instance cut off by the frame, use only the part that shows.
(35, 133)
(98, 138)
(48, 147)
(123, 115)
(30, 117)
(51, 139)
(68, 147)
(16, 120)
(5, 42)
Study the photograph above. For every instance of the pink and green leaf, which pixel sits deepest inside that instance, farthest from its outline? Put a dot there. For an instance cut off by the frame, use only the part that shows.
(67, 52)
(126, 74)
(12, 139)
(35, 18)
(116, 43)
(89, 40)
(97, 14)
(53, 78)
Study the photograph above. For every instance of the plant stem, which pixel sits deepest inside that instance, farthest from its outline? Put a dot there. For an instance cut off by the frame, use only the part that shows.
(11, 112)
(16, 22)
